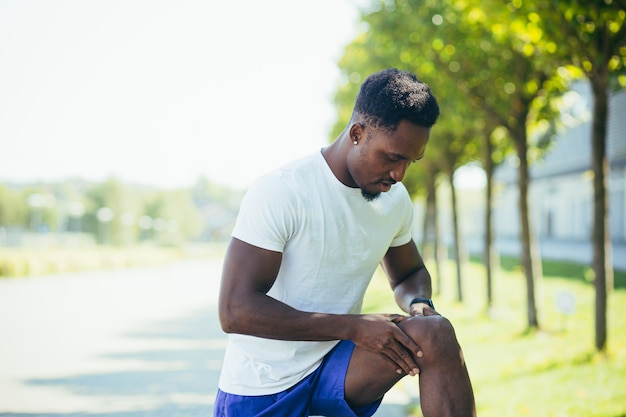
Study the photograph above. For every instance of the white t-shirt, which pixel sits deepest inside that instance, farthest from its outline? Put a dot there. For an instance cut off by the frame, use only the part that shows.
(332, 241)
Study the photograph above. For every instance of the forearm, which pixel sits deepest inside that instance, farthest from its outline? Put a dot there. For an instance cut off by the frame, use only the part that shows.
(417, 284)
(263, 316)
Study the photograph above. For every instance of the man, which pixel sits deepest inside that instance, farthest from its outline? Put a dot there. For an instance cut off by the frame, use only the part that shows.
(307, 241)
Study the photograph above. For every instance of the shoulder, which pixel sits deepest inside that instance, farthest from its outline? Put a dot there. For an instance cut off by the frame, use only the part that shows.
(287, 179)
(281, 189)
(270, 211)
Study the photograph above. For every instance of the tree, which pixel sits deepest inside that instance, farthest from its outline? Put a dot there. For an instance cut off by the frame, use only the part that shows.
(507, 76)
(175, 215)
(385, 44)
(111, 211)
(13, 208)
(592, 36)
(493, 155)
(493, 62)
(457, 148)
(432, 245)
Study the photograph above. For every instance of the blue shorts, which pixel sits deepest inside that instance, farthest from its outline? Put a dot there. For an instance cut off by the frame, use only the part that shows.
(319, 394)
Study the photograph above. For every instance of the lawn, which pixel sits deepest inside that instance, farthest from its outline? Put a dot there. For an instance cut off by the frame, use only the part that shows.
(552, 372)
(22, 262)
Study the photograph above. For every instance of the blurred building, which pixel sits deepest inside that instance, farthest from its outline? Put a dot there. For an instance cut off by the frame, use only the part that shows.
(561, 188)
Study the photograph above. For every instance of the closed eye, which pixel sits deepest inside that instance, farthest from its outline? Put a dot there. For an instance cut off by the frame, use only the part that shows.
(392, 157)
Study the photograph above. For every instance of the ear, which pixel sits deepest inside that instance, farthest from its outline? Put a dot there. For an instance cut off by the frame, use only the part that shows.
(356, 133)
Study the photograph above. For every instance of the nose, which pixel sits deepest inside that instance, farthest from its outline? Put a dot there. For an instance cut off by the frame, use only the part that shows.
(398, 171)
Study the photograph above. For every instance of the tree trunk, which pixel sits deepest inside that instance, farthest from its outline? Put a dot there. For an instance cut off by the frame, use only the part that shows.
(437, 243)
(528, 261)
(432, 241)
(488, 237)
(602, 267)
(458, 244)
(427, 238)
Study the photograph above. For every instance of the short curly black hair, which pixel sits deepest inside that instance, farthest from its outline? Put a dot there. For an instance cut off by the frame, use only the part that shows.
(390, 96)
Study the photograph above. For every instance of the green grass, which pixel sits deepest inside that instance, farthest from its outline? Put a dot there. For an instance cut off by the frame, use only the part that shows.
(23, 262)
(552, 372)
(571, 270)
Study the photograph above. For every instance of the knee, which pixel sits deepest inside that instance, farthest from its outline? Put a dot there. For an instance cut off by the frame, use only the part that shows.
(436, 337)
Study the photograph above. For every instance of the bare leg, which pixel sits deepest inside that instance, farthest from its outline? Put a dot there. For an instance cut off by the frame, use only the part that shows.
(445, 387)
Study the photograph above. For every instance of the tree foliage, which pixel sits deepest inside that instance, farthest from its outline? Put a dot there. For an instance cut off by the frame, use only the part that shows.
(498, 70)
(13, 208)
(117, 213)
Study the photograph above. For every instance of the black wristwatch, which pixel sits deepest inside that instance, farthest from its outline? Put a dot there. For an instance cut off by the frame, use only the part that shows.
(427, 301)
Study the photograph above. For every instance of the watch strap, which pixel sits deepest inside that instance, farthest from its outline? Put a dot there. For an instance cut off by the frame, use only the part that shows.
(426, 301)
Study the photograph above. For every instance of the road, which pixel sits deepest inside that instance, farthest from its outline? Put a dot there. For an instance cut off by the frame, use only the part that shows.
(123, 343)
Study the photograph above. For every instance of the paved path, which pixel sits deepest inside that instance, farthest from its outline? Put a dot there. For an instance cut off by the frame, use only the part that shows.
(138, 342)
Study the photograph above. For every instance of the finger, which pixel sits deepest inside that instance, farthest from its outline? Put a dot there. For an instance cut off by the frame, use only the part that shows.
(390, 358)
(430, 312)
(397, 354)
(408, 351)
(417, 310)
(397, 318)
(408, 343)
(389, 355)
(403, 359)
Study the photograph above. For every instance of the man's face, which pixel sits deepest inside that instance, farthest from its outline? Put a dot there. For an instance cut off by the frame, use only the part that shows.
(381, 158)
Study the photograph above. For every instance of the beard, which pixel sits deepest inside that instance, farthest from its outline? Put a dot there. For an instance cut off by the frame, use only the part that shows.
(368, 195)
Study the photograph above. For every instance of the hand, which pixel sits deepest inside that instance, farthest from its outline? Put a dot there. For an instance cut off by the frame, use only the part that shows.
(422, 309)
(379, 333)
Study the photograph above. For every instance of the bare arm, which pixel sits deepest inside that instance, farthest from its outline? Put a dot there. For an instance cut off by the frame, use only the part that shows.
(408, 277)
(244, 307)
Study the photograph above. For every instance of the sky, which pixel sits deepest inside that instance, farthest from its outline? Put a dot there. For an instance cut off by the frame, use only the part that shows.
(162, 92)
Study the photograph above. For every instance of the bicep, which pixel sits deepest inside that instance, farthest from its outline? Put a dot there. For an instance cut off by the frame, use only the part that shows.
(401, 261)
(248, 269)
(244, 306)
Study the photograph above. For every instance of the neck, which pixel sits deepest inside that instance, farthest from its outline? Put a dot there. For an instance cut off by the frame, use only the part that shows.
(336, 155)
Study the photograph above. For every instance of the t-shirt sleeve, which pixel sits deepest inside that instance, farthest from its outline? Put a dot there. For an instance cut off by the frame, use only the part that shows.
(405, 233)
(265, 216)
